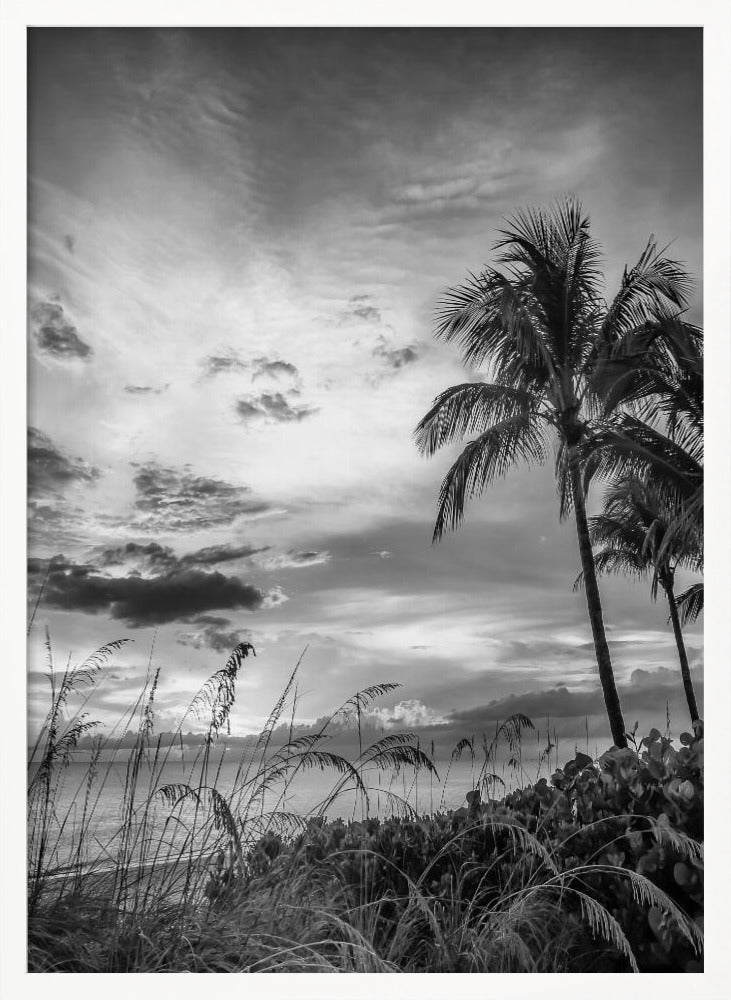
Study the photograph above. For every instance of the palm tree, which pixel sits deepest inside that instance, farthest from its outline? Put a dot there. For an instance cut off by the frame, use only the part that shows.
(634, 532)
(661, 440)
(546, 336)
(662, 437)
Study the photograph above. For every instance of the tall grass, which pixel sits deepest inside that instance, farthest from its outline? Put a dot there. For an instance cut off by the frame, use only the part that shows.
(205, 878)
(201, 820)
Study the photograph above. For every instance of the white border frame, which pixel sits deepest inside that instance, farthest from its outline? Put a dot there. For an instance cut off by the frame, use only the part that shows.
(15, 17)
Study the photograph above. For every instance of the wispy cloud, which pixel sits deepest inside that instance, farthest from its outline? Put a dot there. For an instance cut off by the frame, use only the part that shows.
(223, 363)
(172, 499)
(151, 557)
(145, 390)
(212, 632)
(360, 307)
(294, 560)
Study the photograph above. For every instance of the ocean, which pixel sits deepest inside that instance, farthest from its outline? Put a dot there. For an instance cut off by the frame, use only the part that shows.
(98, 806)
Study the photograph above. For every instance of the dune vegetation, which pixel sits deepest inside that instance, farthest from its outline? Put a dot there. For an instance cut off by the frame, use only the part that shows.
(599, 868)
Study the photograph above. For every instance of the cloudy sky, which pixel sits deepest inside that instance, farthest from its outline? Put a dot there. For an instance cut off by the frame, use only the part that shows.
(236, 243)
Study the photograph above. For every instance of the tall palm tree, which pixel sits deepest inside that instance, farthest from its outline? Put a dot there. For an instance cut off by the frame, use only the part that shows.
(633, 533)
(540, 326)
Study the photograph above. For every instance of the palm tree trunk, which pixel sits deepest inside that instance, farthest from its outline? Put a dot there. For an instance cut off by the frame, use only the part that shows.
(594, 605)
(682, 655)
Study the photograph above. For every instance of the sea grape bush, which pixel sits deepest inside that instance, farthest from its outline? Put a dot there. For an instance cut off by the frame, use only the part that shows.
(592, 825)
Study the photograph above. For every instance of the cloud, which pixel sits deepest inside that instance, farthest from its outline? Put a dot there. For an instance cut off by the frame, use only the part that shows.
(153, 557)
(653, 680)
(360, 308)
(435, 191)
(214, 634)
(215, 554)
(145, 390)
(171, 596)
(554, 702)
(647, 692)
(271, 406)
(397, 357)
(294, 560)
(275, 597)
(227, 361)
(55, 335)
(230, 360)
(409, 714)
(453, 197)
(176, 500)
(50, 470)
(274, 369)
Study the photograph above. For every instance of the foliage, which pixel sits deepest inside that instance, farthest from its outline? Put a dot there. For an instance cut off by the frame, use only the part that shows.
(620, 837)
(598, 869)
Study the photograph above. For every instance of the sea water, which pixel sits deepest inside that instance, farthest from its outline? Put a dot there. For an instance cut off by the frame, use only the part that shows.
(99, 805)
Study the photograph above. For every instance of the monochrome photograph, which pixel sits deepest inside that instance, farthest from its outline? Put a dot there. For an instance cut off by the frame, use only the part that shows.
(365, 500)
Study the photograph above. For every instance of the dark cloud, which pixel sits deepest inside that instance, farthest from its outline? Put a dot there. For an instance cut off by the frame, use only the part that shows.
(151, 556)
(176, 500)
(161, 558)
(69, 242)
(227, 361)
(271, 406)
(653, 680)
(145, 390)
(647, 692)
(50, 470)
(55, 335)
(397, 357)
(213, 633)
(555, 702)
(274, 369)
(171, 596)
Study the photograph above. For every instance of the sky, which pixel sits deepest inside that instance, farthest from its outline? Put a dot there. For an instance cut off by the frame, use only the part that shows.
(237, 240)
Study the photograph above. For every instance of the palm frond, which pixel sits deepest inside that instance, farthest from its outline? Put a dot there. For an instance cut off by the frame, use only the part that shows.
(630, 447)
(496, 319)
(467, 409)
(653, 282)
(515, 439)
(690, 603)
